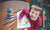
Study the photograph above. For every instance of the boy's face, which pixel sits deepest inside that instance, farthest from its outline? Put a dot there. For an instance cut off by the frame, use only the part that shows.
(34, 13)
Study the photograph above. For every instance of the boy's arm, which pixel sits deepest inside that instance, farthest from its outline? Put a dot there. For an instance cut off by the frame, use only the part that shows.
(15, 11)
(23, 12)
(35, 26)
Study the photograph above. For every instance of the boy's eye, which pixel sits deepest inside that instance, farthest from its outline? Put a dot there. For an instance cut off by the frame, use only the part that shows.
(36, 14)
(32, 12)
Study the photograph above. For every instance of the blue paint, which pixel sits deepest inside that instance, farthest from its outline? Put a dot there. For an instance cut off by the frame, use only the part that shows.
(6, 23)
(8, 19)
(9, 10)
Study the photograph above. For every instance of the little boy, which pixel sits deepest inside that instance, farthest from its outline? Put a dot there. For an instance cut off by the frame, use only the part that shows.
(33, 16)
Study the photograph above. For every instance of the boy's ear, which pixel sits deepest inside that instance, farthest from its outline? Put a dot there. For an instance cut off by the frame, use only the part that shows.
(41, 13)
(30, 9)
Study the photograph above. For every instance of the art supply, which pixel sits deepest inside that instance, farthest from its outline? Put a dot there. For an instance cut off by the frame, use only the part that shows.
(11, 27)
(12, 19)
(11, 23)
(7, 19)
(6, 23)
(13, 16)
(9, 10)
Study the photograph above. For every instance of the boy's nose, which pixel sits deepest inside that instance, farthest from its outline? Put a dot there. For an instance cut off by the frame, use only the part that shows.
(34, 15)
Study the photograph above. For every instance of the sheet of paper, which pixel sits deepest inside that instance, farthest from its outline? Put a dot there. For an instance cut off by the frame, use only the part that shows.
(24, 22)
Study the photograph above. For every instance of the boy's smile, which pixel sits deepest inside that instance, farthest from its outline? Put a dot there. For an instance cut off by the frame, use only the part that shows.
(34, 13)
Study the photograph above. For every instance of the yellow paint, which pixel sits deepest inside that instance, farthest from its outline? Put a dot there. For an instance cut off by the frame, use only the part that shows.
(11, 27)
(14, 14)
(11, 24)
(25, 21)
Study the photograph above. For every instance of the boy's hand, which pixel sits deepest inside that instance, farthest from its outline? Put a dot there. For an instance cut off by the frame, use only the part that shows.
(19, 20)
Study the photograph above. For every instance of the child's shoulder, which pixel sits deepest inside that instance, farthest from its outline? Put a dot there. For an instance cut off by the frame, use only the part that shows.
(25, 10)
(40, 19)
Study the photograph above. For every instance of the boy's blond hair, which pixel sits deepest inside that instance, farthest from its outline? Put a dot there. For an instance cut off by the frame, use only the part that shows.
(36, 6)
